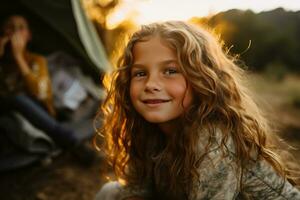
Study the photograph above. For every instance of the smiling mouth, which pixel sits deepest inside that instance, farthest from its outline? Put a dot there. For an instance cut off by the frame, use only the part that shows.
(155, 101)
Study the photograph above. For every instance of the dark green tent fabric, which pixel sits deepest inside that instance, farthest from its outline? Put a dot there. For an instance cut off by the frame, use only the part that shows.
(54, 29)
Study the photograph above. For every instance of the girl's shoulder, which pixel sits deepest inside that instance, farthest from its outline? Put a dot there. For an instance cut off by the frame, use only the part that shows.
(221, 175)
(212, 140)
(218, 170)
(215, 141)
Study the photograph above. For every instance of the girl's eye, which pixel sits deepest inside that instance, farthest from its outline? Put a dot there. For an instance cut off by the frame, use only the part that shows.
(171, 71)
(139, 74)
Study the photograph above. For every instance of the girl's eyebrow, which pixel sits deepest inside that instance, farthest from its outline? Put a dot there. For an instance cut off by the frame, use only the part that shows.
(168, 61)
(138, 65)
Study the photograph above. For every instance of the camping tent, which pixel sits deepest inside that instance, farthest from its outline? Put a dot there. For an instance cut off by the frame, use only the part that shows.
(61, 25)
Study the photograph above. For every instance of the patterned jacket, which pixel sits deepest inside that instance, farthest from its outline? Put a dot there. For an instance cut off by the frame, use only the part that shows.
(220, 179)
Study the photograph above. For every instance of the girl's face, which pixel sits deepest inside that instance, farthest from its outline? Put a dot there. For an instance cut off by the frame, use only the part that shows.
(158, 90)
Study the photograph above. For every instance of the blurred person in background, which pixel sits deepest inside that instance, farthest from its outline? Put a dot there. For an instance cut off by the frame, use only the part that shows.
(25, 86)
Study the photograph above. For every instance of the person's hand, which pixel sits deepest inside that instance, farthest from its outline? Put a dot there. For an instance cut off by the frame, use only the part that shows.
(18, 44)
(3, 41)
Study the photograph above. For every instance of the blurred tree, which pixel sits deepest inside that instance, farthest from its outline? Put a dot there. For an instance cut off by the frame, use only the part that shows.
(274, 36)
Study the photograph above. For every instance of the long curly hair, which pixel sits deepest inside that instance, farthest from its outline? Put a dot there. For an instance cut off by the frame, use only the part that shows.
(138, 150)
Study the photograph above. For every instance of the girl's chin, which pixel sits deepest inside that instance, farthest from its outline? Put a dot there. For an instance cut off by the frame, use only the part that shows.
(154, 120)
(159, 119)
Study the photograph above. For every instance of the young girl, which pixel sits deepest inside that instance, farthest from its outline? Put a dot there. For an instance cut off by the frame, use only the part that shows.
(179, 124)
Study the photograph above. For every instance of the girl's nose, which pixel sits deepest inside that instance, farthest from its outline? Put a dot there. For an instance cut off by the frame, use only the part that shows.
(152, 84)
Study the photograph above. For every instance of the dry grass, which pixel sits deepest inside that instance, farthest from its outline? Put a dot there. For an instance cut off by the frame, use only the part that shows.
(277, 99)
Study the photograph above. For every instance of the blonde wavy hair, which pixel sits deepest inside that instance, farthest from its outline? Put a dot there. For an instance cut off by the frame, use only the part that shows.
(132, 143)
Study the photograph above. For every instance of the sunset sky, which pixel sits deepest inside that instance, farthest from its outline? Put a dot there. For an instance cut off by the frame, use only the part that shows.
(146, 11)
(152, 10)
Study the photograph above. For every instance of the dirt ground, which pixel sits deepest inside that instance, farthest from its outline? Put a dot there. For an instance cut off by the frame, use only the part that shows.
(63, 179)
(66, 179)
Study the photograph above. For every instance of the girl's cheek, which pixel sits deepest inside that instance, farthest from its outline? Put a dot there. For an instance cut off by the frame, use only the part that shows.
(133, 91)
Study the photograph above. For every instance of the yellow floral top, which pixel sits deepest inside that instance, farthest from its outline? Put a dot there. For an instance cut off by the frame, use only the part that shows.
(36, 83)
